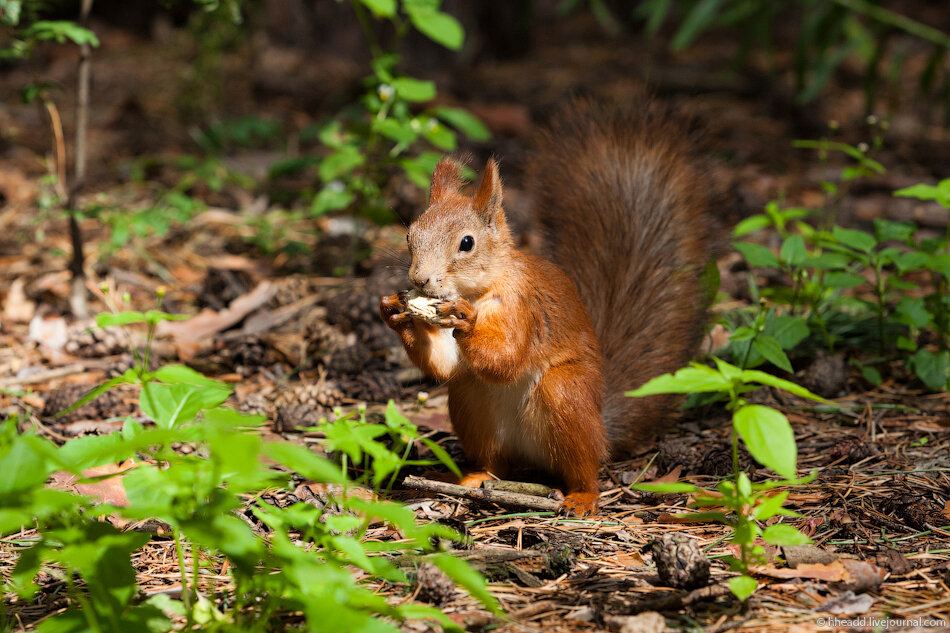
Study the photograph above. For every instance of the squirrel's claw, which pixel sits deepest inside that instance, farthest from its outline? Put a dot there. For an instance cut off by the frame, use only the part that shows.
(392, 310)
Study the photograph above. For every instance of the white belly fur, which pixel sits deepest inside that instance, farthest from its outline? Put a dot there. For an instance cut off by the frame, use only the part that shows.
(444, 351)
(517, 426)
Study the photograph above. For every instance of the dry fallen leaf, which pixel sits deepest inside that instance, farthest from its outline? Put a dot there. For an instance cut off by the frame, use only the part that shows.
(832, 572)
(191, 334)
(16, 307)
(108, 490)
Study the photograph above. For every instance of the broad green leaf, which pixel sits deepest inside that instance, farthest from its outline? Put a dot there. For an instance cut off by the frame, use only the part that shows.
(789, 330)
(304, 462)
(331, 198)
(742, 586)
(886, 230)
(340, 162)
(60, 31)
(757, 255)
(752, 375)
(439, 135)
(933, 368)
(180, 374)
(827, 261)
(381, 8)
(770, 349)
(107, 319)
(912, 311)
(793, 250)
(394, 130)
(694, 379)
(839, 279)
(472, 581)
(858, 240)
(784, 534)
(464, 121)
(768, 436)
(414, 89)
(772, 506)
(174, 405)
(416, 611)
(438, 26)
(751, 224)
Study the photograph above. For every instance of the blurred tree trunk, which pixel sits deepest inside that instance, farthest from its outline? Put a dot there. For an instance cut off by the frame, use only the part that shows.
(77, 295)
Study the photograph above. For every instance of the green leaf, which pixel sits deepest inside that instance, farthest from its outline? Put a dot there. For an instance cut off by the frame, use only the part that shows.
(827, 261)
(128, 377)
(180, 374)
(772, 506)
(106, 319)
(693, 379)
(933, 368)
(701, 16)
(789, 330)
(872, 375)
(303, 461)
(772, 351)
(858, 240)
(438, 26)
(784, 534)
(751, 224)
(912, 311)
(61, 31)
(838, 279)
(464, 122)
(887, 230)
(343, 161)
(674, 487)
(742, 586)
(940, 193)
(332, 197)
(757, 255)
(381, 8)
(395, 131)
(441, 455)
(793, 250)
(414, 89)
(174, 405)
(769, 438)
(472, 581)
(439, 135)
(419, 169)
(752, 375)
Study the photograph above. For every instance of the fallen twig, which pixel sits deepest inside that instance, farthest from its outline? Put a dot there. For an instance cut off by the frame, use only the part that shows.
(506, 499)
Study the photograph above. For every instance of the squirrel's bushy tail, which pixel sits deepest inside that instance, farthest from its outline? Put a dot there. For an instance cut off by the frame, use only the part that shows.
(624, 208)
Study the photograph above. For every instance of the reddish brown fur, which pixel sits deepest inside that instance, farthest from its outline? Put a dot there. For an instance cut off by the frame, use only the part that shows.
(527, 387)
(625, 210)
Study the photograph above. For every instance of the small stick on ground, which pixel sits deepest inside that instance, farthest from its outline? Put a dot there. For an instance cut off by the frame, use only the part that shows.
(506, 499)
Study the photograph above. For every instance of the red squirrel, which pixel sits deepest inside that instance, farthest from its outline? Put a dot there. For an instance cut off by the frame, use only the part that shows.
(537, 350)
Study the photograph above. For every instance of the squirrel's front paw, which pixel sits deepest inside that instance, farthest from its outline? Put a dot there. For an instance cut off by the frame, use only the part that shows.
(458, 314)
(392, 310)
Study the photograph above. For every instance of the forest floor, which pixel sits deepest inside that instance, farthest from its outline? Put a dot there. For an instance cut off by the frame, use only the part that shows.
(297, 339)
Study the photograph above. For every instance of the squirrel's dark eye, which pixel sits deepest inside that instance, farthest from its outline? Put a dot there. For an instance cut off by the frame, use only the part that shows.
(467, 243)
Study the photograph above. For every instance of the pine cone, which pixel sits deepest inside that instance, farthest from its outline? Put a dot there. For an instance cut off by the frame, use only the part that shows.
(373, 387)
(353, 360)
(350, 309)
(322, 338)
(111, 404)
(296, 415)
(323, 394)
(93, 342)
(246, 354)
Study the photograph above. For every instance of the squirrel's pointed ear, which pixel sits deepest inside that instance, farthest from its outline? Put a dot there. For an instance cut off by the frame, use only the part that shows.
(446, 179)
(487, 200)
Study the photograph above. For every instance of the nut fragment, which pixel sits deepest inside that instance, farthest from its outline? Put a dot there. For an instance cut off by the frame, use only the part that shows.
(423, 307)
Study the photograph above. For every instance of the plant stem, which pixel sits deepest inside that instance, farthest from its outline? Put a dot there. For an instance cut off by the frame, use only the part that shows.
(77, 295)
(185, 593)
(367, 28)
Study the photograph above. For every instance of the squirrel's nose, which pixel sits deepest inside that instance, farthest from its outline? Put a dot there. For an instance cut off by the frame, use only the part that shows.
(418, 280)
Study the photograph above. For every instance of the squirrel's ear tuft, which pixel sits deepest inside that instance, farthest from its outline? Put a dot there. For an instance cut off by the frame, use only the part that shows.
(487, 200)
(446, 180)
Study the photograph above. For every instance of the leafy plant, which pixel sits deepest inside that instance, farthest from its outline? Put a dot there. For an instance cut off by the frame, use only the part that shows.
(769, 438)
(383, 132)
(304, 565)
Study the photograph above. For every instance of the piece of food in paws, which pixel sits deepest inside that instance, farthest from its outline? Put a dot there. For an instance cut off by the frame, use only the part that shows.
(423, 307)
